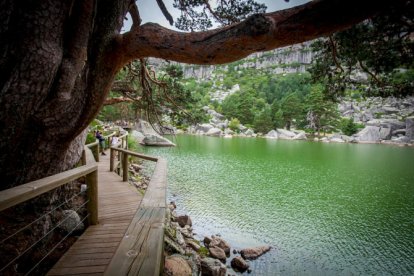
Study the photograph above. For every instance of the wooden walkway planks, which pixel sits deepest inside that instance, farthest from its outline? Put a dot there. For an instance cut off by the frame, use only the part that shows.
(141, 250)
(117, 204)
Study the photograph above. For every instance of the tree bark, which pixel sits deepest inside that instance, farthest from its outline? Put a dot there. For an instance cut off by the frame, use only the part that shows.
(58, 60)
(57, 65)
(260, 32)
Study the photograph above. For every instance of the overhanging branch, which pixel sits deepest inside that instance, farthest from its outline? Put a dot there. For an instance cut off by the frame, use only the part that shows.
(257, 33)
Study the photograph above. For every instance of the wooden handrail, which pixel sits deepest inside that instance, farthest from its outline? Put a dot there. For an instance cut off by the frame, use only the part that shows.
(94, 146)
(141, 249)
(22, 193)
(140, 155)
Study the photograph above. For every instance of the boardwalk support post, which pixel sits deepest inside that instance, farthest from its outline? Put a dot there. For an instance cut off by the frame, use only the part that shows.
(92, 182)
(124, 166)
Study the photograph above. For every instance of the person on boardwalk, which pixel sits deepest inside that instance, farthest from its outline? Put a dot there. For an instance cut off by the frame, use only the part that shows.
(99, 136)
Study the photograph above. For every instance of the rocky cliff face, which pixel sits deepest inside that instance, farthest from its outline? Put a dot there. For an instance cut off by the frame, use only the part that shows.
(291, 59)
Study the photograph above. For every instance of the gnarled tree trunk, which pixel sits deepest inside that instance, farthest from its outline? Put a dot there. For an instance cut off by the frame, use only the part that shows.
(58, 59)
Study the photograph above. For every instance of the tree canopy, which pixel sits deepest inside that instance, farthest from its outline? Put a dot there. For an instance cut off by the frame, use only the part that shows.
(375, 56)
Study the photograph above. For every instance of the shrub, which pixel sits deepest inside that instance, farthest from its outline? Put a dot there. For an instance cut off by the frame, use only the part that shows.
(348, 127)
(234, 124)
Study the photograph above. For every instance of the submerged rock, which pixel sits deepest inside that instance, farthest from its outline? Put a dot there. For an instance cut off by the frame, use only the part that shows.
(219, 242)
(217, 253)
(212, 267)
(239, 264)
(184, 220)
(254, 252)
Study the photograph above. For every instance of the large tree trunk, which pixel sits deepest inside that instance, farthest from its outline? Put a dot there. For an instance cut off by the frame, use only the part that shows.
(56, 68)
(58, 60)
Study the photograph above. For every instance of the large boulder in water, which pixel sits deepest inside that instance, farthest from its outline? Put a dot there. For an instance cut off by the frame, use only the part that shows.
(184, 220)
(272, 134)
(156, 140)
(204, 127)
(285, 134)
(254, 252)
(212, 267)
(137, 135)
(239, 264)
(249, 132)
(369, 134)
(300, 136)
(214, 132)
(217, 253)
(220, 243)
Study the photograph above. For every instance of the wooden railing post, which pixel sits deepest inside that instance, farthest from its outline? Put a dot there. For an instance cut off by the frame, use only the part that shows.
(83, 158)
(111, 160)
(92, 182)
(124, 167)
(96, 152)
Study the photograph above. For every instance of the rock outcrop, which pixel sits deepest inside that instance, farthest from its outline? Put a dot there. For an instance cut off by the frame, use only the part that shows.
(151, 137)
(239, 264)
(212, 267)
(409, 122)
(254, 252)
(176, 266)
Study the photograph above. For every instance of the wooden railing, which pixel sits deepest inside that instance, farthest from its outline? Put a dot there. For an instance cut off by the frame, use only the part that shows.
(22, 193)
(141, 250)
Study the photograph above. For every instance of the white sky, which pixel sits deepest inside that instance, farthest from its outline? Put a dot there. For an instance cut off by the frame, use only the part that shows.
(150, 12)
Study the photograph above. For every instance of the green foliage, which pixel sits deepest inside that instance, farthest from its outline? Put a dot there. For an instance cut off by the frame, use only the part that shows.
(195, 15)
(348, 127)
(379, 47)
(90, 138)
(203, 252)
(292, 108)
(133, 144)
(240, 105)
(278, 121)
(263, 121)
(322, 113)
(234, 124)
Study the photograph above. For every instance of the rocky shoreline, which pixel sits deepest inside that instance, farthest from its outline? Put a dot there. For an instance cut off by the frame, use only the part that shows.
(185, 255)
(385, 120)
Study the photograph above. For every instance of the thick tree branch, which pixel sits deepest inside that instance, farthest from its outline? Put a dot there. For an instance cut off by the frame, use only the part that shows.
(257, 33)
(165, 12)
(116, 100)
(134, 12)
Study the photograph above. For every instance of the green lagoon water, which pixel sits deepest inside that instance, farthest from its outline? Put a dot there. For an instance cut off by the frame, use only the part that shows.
(326, 209)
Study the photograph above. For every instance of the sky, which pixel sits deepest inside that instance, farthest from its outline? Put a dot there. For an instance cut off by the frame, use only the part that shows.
(150, 12)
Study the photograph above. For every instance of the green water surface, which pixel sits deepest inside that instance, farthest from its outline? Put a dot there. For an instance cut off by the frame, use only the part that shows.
(326, 209)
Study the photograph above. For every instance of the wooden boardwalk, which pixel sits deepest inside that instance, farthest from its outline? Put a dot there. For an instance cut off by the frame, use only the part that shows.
(92, 252)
